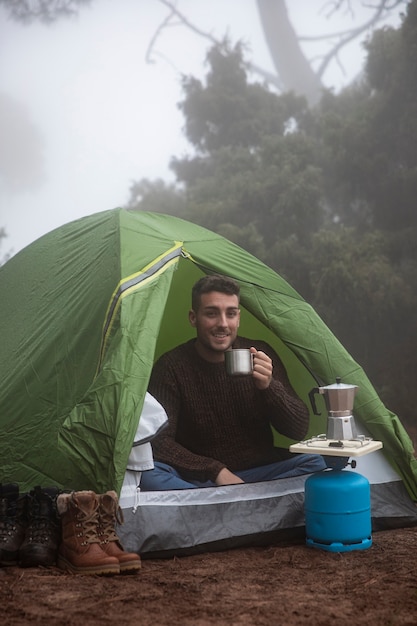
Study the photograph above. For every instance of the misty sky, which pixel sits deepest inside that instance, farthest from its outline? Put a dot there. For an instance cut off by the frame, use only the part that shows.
(83, 115)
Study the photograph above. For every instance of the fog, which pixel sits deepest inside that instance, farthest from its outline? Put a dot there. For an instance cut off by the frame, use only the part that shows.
(83, 114)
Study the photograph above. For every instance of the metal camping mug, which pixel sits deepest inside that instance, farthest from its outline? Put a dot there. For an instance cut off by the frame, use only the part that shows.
(238, 362)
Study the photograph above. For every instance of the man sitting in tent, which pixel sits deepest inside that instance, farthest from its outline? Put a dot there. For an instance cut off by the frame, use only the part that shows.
(219, 426)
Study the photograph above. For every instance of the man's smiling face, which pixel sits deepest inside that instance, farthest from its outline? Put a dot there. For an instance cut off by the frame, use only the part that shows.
(216, 322)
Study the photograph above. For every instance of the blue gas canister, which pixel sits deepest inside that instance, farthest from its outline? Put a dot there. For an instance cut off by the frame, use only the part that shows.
(337, 509)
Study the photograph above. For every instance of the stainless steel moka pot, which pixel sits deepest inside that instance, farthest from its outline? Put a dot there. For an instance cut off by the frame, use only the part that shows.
(339, 400)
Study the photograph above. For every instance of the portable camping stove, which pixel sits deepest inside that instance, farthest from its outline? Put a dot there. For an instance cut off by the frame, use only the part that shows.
(337, 503)
(320, 444)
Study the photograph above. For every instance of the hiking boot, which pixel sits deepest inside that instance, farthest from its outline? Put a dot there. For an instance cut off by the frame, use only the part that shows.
(40, 545)
(13, 520)
(110, 513)
(80, 551)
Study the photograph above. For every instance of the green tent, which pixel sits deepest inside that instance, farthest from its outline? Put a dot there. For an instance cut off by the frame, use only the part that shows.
(85, 311)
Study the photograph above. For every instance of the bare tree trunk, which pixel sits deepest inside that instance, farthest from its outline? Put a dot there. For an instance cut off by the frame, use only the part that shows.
(291, 65)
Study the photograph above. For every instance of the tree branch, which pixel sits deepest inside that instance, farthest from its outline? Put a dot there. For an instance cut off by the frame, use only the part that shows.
(345, 37)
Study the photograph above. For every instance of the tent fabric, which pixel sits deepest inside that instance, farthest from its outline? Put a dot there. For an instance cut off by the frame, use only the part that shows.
(85, 311)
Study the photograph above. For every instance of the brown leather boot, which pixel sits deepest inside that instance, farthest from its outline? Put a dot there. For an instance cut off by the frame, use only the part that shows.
(110, 513)
(80, 551)
(40, 545)
(13, 521)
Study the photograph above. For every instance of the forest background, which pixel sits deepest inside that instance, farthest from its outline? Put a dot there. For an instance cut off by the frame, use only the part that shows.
(321, 187)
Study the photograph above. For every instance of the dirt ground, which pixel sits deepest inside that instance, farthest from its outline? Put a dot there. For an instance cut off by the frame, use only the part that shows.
(288, 584)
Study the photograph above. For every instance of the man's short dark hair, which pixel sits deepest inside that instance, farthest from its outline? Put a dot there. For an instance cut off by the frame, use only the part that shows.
(213, 282)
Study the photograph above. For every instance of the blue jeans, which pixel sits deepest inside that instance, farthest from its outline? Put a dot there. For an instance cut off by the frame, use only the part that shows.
(164, 476)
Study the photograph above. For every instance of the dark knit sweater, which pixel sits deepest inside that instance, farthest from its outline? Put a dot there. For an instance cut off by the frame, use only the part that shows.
(216, 420)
